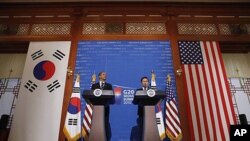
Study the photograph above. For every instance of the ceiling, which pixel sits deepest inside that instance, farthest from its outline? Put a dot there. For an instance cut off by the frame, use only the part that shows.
(13, 1)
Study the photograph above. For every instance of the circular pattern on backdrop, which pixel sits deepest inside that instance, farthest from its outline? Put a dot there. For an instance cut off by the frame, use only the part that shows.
(74, 105)
(44, 70)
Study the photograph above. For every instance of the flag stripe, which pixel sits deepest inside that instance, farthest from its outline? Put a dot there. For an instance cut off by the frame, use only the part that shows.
(228, 106)
(220, 111)
(86, 125)
(170, 117)
(173, 115)
(171, 108)
(90, 110)
(88, 114)
(173, 127)
(213, 93)
(192, 105)
(206, 103)
(86, 131)
(210, 90)
(200, 106)
(225, 81)
(172, 104)
(206, 89)
(221, 94)
(87, 119)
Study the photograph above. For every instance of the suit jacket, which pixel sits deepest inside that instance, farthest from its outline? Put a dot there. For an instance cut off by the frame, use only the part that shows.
(107, 86)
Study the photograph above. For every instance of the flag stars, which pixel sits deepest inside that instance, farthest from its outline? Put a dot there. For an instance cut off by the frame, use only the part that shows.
(190, 52)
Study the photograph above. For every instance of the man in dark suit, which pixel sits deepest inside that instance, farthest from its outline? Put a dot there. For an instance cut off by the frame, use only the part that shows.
(103, 85)
(144, 87)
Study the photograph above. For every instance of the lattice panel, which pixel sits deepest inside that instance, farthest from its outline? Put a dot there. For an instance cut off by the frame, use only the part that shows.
(23, 29)
(197, 29)
(9, 89)
(234, 29)
(224, 29)
(233, 90)
(3, 28)
(50, 29)
(93, 28)
(102, 28)
(8, 29)
(146, 28)
(246, 86)
(240, 90)
(2, 88)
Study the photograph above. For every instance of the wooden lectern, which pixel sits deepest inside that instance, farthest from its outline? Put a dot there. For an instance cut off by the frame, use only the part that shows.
(97, 130)
(150, 131)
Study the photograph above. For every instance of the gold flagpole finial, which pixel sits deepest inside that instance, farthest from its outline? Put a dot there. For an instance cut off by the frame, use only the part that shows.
(168, 78)
(153, 75)
(78, 77)
(93, 77)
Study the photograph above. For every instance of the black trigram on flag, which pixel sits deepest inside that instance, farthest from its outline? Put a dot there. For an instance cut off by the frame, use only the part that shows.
(158, 121)
(76, 90)
(58, 54)
(53, 86)
(72, 121)
(30, 86)
(37, 54)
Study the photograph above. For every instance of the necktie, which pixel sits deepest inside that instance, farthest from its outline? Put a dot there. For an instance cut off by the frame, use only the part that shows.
(102, 85)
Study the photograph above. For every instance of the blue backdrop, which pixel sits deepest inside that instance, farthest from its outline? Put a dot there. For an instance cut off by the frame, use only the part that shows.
(125, 63)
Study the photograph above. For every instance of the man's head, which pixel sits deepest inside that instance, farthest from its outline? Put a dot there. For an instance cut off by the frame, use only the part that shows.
(144, 82)
(102, 76)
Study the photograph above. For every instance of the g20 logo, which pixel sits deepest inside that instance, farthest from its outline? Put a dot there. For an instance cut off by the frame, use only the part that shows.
(129, 92)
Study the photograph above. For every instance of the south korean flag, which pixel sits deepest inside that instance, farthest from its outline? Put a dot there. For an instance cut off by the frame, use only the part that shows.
(42, 91)
(44, 65)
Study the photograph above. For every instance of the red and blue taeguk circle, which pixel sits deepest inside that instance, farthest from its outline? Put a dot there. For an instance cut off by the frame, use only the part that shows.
(74, 105)
(44, 70)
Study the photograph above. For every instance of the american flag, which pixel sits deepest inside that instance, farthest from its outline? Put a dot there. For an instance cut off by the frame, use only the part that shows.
(87, 118)
(206, 89)
(87, 121)
(173, 126)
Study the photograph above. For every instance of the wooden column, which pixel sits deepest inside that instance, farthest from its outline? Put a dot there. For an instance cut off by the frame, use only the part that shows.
(173, 33)
(75, 32)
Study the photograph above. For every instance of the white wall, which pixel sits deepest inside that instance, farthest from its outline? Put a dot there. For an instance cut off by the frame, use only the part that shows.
(237, 61)
(14, 62)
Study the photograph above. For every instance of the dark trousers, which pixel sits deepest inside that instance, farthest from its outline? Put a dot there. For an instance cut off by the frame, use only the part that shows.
(140, 122)
(107, 124)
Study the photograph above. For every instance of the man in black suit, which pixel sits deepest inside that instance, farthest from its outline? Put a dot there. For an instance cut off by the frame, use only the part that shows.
(144, 87)
(103, 85)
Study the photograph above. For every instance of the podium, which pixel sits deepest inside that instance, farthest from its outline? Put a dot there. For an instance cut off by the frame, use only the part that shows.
(150, 131)
(97, 130)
